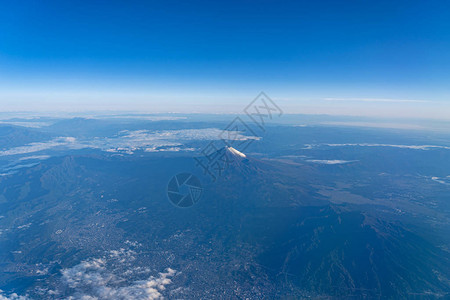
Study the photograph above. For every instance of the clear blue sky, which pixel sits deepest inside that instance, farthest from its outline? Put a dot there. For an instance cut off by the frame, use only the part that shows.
(149, 54)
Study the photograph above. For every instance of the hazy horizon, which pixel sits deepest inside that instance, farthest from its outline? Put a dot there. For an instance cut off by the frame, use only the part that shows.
(210, 58)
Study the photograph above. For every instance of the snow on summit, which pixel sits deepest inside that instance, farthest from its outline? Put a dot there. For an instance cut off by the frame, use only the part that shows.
(236, 152)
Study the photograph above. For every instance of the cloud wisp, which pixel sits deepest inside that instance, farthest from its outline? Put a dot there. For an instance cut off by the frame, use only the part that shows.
(384, 100)
(412, 147)
(40, 146)
(330, 161)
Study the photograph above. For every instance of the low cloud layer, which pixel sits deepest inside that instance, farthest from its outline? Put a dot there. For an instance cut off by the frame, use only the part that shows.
(69, 142)
(128, 141)
(118, 274)
(12, 296)
(114, 276)
(91, 279)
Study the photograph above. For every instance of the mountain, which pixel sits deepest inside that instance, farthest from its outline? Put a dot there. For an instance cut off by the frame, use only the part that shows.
(13, 136)
(316, 246)
(267, 227)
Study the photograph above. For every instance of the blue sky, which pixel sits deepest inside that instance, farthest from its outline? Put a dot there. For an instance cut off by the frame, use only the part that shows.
(313, 56)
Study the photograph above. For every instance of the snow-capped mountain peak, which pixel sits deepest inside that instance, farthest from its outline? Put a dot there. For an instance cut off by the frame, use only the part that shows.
(235, 152)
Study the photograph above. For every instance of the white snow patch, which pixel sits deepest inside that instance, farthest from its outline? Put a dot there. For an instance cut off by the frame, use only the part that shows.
(236, 152)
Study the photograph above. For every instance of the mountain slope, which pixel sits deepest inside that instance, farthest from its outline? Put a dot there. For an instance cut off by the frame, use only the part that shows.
(318, 247)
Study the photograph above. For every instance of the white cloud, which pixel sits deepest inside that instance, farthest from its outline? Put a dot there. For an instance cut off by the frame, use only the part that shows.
(388, 100)
(39, 157)
(92, 280)
(12, 296)
(16, 167)
(29, 124)
(141, 117)
(129, 141)
(25, 226)
(414, 147)
(330, 162)
(183, 134)
(69, 142)
(115, 275)
(376, 125)
(445, 180)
